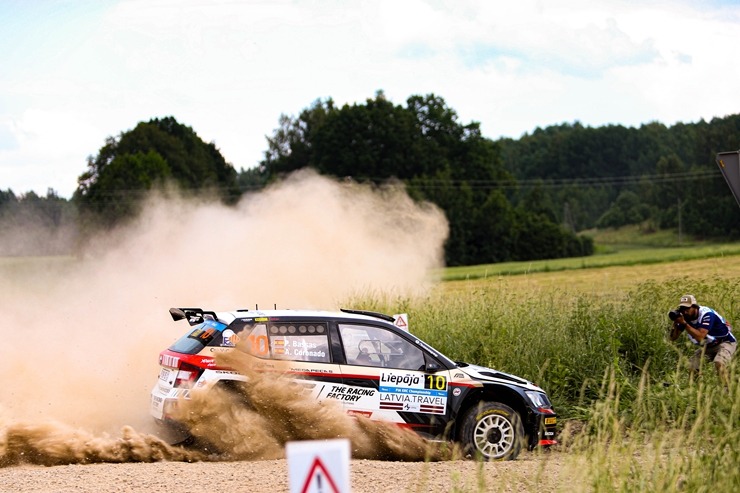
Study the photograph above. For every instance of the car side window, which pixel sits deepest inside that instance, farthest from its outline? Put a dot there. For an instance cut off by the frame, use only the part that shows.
(366, 345)
(300, 342)
(256, 341)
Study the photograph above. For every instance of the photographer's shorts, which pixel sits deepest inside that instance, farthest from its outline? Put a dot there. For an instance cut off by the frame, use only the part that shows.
(721, 353)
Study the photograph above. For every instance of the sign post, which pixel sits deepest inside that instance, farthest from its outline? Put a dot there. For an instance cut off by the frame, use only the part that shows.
(318, 466)
(729, 165)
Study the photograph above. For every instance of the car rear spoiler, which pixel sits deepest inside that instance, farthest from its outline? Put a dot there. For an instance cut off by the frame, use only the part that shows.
(367, 313)
(194, 316)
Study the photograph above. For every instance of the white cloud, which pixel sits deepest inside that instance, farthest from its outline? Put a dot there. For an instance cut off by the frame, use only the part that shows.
(229, 69)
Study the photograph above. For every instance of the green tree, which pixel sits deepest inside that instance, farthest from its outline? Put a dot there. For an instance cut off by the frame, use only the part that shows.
(627, 209)
(423, 144)
(147, 157)
(36, 225)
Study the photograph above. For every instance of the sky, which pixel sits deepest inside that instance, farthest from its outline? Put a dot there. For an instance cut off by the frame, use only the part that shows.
(76, 72)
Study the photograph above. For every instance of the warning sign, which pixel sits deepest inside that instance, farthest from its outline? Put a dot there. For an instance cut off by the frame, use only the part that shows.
(401, 320)
(729, 165)
(318, 466)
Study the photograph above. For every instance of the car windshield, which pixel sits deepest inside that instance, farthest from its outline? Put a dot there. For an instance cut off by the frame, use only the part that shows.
(198, 338)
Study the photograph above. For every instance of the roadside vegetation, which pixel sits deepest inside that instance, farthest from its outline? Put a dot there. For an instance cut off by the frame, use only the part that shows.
(632, 417)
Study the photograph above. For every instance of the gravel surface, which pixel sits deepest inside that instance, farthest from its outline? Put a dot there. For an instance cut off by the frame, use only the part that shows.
(531, 472)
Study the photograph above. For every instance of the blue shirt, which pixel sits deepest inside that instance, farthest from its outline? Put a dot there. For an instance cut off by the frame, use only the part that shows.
(713, 322)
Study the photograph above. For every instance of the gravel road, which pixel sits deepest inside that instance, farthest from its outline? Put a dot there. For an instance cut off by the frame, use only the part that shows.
(531, 472)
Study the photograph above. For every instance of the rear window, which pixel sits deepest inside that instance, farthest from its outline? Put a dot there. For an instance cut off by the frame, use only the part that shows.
(198, 338)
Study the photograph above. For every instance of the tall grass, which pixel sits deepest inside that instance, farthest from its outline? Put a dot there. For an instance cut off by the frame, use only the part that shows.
(645, 423)
(564, 341)
(675, 438)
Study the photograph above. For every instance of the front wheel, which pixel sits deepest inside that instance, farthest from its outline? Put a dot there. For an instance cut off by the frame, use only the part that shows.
(492, 431)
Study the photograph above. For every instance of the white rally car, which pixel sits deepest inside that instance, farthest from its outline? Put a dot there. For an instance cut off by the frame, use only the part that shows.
(372, 367)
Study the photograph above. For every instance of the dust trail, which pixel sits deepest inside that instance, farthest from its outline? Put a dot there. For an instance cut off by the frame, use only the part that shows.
(83, 335)
(254, 419)
(52, 444)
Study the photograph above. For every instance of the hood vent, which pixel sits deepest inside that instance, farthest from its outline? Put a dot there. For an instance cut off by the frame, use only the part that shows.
(503, 376)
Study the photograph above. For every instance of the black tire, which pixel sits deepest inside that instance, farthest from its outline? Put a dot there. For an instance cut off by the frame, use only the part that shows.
(174, 433)
(492, 431)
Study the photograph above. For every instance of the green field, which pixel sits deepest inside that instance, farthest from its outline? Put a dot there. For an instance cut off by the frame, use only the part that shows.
(629, 256)
(593, 333)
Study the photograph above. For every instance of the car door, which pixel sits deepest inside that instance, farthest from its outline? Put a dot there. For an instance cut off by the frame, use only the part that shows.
(386, 377)
(304, 346)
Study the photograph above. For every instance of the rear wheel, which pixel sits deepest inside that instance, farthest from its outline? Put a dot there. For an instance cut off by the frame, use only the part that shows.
(492, 431)
(174, 433)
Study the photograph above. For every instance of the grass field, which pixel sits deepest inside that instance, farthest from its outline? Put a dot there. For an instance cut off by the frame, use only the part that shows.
(624, 256)
(593, 333)
(607, 280)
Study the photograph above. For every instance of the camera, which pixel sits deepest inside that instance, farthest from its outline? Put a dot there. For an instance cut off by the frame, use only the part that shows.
(674, 314)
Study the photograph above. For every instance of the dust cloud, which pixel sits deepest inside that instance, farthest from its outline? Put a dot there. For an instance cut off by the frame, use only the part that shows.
(82, 336)
(280, 410)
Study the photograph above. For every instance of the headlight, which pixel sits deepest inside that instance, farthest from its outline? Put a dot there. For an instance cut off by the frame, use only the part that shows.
(539, 399)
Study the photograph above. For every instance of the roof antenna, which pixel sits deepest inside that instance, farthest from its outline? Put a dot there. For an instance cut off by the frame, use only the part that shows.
(256, 308)
(275, 306)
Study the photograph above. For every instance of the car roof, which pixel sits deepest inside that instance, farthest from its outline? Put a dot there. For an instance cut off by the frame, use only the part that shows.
(196, 315)
(229, 316)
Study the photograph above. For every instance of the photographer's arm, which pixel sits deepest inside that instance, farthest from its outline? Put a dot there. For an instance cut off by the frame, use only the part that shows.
(697, 334)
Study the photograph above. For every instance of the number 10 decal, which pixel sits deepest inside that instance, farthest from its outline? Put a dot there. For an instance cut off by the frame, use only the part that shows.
(435, 382)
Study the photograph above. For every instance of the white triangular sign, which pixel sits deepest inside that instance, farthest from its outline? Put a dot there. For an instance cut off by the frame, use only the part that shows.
(401, 320)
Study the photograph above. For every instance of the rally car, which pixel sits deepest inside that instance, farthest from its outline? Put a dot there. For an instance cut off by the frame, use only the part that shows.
(371, 366)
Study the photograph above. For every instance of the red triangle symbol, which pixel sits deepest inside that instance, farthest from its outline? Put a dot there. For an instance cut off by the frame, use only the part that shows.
(315, 472)
(400, 322)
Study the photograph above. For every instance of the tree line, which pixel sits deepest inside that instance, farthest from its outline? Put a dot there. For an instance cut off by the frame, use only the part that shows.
(655, 176)
(506, 199)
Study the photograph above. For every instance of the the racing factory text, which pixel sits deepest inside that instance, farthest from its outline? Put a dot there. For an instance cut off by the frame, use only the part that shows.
(348, 393)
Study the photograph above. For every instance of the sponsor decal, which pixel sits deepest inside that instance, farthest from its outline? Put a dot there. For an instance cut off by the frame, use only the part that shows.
(456, 392)
(206, 361)
(413, 392)
(310, 370)
(229, 338)
(350, 394)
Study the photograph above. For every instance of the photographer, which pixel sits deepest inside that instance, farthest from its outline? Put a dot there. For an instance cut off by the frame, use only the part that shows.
(706, 328)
